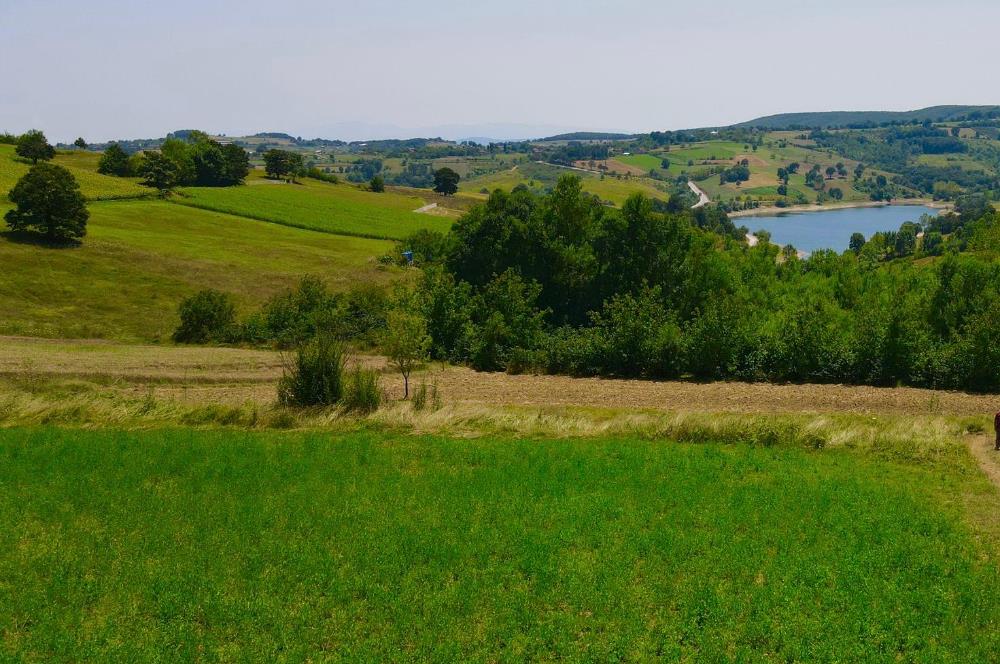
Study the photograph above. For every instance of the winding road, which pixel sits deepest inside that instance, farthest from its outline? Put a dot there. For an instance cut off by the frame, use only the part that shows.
(703, 198)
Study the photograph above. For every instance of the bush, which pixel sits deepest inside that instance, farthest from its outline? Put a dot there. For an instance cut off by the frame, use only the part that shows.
(316, 377)
(427, 246)
(421, 395)
(206, 316)
(363, 393)
(295, 316)
(322, 176)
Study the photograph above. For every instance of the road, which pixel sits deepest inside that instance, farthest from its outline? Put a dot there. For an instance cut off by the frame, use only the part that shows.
(703, 198)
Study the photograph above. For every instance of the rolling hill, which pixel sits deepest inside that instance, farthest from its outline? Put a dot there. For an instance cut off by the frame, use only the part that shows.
(830, 119)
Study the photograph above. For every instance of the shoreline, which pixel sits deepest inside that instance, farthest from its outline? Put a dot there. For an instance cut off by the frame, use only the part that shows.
(773, 210)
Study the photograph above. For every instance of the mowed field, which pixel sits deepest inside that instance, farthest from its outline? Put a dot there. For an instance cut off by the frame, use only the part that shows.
(342, 209)
(83, 166)
(140, 258)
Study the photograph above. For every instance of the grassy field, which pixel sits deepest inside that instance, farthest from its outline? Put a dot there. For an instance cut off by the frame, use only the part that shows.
(527, 518)
(225, 545)
(965, 162)
(140, 258)
(82, 164)
(646, 162)
(779, 149)
(343, 209)
(544, 176)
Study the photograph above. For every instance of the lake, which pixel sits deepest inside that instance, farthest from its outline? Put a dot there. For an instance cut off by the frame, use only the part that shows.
(832, 229)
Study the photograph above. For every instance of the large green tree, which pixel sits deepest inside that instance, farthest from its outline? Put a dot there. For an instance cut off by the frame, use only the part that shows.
(159, 171)
(279, 163)
(49, 202)
(34, 146)
(446, 181)
(114, 161)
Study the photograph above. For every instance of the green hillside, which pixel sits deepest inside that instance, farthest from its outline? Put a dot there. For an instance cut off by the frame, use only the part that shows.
(540, 177)
(140, 258)
(83, 166)
(343, 209)
(829, 119)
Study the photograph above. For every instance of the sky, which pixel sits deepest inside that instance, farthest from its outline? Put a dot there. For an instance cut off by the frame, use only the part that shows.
(105, 69)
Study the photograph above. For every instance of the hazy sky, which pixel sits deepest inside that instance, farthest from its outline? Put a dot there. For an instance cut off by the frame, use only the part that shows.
(113, 69)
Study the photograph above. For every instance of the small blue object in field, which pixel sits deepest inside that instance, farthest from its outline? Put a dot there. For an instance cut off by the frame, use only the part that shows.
(408, 255)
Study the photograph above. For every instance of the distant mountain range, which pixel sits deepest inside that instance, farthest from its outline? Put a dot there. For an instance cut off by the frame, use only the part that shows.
(830, 119)
(589, 136)
(479, 133)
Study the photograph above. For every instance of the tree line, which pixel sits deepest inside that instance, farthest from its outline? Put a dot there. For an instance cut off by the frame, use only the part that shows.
(195, 160)
(559, 283)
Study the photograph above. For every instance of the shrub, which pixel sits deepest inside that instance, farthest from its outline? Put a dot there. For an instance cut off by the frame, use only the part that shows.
(316, 377)
(322, 176)
(363, 393)
(206, 316)
(419, 400)
(421, 395)
(288, 319)
(427, 246)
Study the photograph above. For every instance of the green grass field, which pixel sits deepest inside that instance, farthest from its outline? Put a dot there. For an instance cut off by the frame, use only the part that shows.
(545, 176)
(646, 161)
(343, 209)
(83, 165)
(965, 162)
(232, 546)
(140, 258)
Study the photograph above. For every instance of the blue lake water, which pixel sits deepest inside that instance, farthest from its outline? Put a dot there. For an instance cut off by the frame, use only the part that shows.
(832, 229)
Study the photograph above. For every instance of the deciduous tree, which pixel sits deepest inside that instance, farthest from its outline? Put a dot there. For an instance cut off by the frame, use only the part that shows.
(446, 181)
(406, 342)
(34, 146)
(158, 171)
(49, 202)
(114, 161)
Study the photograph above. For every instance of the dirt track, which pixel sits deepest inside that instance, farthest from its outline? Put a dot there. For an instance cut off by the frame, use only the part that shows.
(236, 375)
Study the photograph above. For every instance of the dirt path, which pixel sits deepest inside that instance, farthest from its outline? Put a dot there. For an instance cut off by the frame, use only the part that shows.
(235, 375)
(703, 198)
(987, 457)
(569, 168)
(426, 208)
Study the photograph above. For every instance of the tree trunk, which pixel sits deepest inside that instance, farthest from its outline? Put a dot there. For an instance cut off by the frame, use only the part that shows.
(406, 387)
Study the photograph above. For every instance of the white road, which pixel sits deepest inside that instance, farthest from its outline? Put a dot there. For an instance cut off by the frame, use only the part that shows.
(703, 198)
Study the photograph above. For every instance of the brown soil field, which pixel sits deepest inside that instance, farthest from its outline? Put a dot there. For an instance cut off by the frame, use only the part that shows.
(232, 375)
